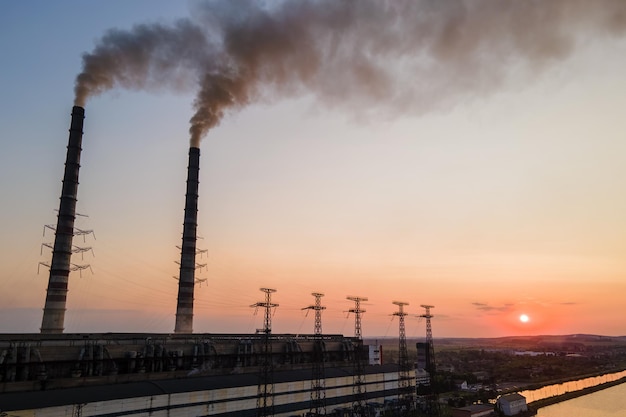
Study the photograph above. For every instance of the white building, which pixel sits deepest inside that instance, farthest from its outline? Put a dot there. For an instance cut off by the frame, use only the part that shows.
(375, 354)
(512, 404)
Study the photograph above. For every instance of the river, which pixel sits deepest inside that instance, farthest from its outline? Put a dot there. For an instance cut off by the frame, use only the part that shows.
(609, 402)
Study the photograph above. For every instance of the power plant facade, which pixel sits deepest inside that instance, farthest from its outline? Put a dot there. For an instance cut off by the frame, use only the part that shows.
(179, 374)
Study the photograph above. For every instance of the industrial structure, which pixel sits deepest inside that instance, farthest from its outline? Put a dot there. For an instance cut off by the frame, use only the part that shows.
(187, 278)
(265, 388)
(358, 387)
(56, 295)
(430, 400)
(105, 375)
(405, 391)
(184, 373)
(318, 378)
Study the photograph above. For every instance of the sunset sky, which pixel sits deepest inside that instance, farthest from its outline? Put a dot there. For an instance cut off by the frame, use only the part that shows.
(505, 197)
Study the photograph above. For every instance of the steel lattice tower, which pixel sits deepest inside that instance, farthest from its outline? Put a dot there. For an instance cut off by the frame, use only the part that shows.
(265, 390)
(318, 378)
(358, 386)
(404, 386)
(430, 365)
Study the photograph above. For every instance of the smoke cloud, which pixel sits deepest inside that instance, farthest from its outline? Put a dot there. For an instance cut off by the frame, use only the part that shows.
(372, 57)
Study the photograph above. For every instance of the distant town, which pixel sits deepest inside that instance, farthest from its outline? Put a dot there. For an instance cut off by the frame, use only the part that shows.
(480, 370)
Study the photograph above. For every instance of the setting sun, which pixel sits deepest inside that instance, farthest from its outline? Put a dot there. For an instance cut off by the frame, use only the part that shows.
(524, 318)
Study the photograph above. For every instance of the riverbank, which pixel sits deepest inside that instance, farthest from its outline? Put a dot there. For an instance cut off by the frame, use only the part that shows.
(536, 405)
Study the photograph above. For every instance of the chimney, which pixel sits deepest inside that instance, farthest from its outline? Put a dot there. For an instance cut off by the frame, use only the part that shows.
(184, 308)
(54, 309)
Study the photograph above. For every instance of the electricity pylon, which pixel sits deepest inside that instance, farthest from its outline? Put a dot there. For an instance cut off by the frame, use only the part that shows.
(404, 385)
(265, 389)
(433, 403)
(318, 378)
(358, 383)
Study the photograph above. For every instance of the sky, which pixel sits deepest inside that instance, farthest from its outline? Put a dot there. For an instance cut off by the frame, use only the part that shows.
(488, 190)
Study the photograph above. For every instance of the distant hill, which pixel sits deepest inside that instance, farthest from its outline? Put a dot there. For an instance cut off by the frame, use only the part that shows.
(544, 342)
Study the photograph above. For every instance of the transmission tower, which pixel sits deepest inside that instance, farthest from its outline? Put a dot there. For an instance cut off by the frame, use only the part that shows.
(433, 404)
(318, 379)
(265, 389)
(404, 370)
(358, 385)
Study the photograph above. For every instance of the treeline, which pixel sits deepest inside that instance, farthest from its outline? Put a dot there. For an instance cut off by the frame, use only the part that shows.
(491, 367)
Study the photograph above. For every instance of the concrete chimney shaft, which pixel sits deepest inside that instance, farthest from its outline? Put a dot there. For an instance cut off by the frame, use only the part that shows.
(184, 308)
(54, 309)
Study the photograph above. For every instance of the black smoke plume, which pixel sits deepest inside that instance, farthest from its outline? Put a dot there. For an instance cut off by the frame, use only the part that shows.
(377, 56)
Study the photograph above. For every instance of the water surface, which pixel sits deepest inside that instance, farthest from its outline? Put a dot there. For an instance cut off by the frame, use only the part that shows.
(609, 402)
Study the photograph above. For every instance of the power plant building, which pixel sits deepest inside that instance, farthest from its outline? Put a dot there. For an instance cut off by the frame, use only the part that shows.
(170, 375)
(54, 374)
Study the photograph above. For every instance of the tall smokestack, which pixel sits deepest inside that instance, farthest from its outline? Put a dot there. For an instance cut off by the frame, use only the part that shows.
(184, 308)
(54, 310)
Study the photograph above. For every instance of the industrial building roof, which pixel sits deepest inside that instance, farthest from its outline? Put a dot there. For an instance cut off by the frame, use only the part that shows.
(514, 396)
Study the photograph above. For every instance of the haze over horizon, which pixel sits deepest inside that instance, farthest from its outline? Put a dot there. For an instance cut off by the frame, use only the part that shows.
(505, 198)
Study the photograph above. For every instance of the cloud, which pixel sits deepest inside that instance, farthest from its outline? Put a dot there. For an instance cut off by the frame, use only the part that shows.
(380, 58)
(488, 308)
